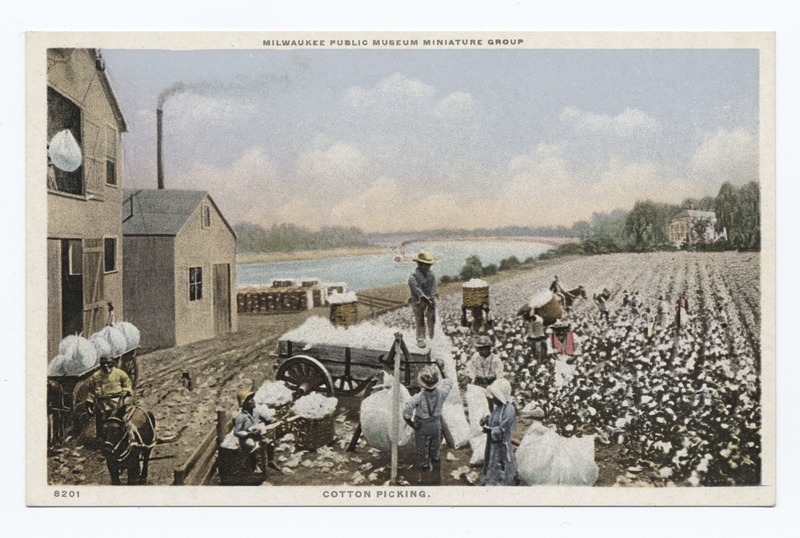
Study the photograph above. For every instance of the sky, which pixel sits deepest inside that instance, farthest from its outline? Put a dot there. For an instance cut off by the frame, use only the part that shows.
(409, 140)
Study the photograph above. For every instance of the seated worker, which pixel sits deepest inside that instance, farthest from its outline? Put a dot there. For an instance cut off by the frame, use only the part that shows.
(109, 389)
(245, 427)
(484, 367)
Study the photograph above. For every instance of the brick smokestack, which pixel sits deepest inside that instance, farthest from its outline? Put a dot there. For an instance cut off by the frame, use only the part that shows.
(159, 164)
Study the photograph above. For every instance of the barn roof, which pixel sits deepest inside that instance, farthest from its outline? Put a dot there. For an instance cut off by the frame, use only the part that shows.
(158, 211)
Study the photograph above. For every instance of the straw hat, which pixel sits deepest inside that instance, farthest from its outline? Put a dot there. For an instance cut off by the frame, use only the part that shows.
(500, 389)
(424, 257)
(243, 395)
(429, 377)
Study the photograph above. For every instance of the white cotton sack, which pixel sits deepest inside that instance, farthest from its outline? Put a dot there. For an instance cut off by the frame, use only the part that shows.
(101, 345)
(64, 151)
(56, 366)
(376, 419)
(79, 355)
(540, 298)
(477, 407)
(314, 405)
(455, 427)
(546, 458)
(131, 333)
(230, 442)
(115, 339)
(478, 446)
(273, 393)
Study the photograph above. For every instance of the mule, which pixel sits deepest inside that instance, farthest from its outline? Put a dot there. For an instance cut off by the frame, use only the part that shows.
(569, 297)
(127, 442)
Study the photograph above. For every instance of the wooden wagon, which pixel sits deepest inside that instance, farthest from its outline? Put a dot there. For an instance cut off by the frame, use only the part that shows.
(326, 368)
(66, 395)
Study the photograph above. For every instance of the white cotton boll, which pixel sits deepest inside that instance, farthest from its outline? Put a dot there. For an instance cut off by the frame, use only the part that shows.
(475, 283)
(273, 393)
(56, 366)
(314, 405)
(131, 333)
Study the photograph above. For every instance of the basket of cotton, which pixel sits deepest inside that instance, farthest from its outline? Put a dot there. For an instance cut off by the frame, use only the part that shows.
(344, 309)
(313, 421)
(547, 305)
(474, 293)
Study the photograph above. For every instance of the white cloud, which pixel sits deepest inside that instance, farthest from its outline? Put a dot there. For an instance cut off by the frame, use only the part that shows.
(332, 161)
(629, 122)
(191, 109)
(455, 105)
(393, 90)
(731, 156)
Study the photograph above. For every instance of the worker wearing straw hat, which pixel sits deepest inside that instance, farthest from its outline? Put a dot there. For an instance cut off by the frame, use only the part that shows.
(245, 425)
(484, 367)
(422, 284)
(423, 412)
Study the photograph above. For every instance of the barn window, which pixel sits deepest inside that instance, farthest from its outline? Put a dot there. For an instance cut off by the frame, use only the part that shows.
(206, 217)
(110, 254)
(111, 156)
(195, 283)
(63, 114)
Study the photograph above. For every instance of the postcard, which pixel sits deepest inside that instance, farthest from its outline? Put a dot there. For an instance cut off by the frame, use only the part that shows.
(400, 269)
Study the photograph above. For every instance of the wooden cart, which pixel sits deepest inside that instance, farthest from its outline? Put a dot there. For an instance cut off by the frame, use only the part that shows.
(335, 369)
(66, 395)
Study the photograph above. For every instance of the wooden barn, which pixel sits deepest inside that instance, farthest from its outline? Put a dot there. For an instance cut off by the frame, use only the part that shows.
(84, 195)
(180, 267)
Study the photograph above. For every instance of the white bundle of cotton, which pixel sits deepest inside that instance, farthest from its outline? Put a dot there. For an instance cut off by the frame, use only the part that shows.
(314, 405)
(546, 458)
(230, 442)
(317, 330)
(455, 427)
(274, 394)
(477, 407)
(101, 345)
(376, 419)
(263, 413)
(64, 151)
(56, 366)
(475, 283)
(540, 298)
(79, 354)
(130, 332)
(115, 339)
(343, 298)
(478, 446)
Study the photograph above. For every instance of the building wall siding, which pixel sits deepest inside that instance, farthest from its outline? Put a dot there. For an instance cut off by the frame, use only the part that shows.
(198, 246)
(150, 288)
(53, 291)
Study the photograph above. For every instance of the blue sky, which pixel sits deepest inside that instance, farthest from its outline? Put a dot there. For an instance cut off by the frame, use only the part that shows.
(392, 140)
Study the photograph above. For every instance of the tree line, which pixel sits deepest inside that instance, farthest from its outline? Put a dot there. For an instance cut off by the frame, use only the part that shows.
(289, 237)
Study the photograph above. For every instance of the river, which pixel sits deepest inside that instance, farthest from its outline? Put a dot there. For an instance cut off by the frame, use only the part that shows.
(379, 270)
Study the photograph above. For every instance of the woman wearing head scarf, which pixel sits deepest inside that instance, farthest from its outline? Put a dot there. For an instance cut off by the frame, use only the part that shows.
(499, 464)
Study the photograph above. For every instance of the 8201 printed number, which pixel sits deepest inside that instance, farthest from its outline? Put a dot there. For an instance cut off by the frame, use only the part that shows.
(66, 494)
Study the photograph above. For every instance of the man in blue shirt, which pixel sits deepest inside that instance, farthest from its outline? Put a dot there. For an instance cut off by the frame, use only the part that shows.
(422, 284)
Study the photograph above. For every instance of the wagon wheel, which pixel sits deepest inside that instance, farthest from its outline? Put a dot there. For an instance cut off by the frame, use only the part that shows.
(347, 386)
(130, 365)
(304, 375)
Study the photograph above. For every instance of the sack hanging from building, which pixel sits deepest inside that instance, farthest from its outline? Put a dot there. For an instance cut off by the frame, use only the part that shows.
(64, 151)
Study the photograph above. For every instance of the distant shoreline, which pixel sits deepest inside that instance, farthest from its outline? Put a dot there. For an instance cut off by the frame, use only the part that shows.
(300, 255)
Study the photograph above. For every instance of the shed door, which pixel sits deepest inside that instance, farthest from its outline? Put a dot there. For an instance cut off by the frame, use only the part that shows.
(93, 302)
(222, 298)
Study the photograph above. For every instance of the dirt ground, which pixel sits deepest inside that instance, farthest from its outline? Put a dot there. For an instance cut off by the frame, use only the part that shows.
(218, 368)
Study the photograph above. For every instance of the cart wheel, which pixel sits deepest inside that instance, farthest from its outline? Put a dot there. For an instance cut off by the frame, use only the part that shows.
(304, 375)
(130, 366)
(349, 386)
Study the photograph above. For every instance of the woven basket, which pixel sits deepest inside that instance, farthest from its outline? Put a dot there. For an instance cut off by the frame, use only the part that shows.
(344, 314)
(474, 296)
(313, 433)
(281, 414)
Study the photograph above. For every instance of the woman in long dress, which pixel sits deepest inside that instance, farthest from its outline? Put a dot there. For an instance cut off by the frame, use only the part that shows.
(499, 464)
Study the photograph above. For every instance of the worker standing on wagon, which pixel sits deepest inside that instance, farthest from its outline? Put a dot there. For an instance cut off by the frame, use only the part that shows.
(109, 388)
(422, 284)
(484, 367)
(423, 412)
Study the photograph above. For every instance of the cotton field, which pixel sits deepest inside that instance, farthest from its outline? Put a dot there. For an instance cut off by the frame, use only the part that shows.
(682, 403)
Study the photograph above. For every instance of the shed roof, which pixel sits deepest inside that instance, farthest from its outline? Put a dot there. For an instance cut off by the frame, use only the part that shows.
(158, 211)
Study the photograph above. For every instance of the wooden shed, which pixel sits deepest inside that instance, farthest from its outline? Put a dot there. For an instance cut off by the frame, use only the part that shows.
(180, 267)
(84, 205)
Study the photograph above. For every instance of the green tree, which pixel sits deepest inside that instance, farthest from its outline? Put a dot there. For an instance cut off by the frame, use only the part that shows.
(749, 233)
(729, 215)
(641, 223)
(472, 268)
